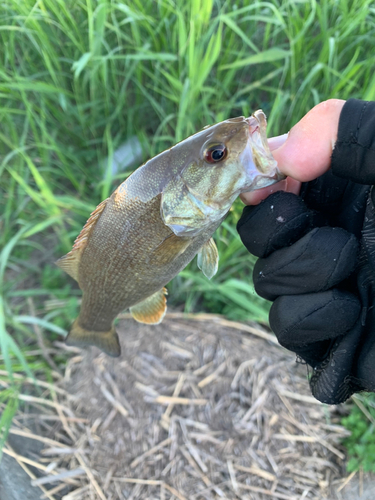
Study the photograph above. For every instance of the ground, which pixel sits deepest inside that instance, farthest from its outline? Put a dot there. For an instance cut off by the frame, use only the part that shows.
(198, 408)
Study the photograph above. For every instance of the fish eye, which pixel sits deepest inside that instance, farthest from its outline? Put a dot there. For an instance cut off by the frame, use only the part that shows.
(215, 153)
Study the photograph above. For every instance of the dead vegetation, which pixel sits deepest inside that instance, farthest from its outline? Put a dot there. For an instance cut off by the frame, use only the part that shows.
(198, 408)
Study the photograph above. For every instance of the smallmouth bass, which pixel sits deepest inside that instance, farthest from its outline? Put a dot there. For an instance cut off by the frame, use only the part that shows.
(157, 220)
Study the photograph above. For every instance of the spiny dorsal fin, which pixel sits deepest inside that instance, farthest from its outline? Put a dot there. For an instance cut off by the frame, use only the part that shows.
(151, 310)
(70, 262)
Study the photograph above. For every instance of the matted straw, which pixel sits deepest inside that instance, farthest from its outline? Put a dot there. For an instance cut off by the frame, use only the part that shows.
(196, 408)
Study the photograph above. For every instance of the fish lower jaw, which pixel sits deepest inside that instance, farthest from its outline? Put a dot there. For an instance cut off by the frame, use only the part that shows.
(260, 181)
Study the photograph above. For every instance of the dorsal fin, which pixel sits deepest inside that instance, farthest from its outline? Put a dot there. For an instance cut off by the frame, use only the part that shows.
(70, 262)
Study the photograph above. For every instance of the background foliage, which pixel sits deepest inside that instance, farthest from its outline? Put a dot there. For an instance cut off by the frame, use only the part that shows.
(361, 443)
(78, 78)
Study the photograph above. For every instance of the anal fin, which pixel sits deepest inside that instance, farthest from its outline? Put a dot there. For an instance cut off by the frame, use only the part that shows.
(151, 310)
(208, 259)
(106, 341)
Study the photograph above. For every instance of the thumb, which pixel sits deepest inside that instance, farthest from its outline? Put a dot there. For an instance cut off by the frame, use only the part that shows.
(306, 153)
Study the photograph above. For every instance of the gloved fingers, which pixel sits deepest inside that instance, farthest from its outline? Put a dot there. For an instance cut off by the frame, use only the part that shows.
(278, 221)
(365, 361)
(332, 381)
(341, 201)
(325, 193)
(300, 321)
(318, 261)
(324, 329)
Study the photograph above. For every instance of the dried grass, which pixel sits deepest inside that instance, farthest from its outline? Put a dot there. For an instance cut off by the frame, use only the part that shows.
(197, 408)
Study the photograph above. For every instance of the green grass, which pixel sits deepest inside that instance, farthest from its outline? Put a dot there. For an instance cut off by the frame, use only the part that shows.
(361, 443)
(77, 78)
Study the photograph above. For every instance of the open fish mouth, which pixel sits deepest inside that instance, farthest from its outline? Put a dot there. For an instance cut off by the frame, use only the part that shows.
(261, 166)
(262, 181)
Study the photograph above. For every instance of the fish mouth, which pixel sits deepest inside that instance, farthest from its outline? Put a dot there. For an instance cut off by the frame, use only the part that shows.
(261, 167)
(257, 123)
(261, 181)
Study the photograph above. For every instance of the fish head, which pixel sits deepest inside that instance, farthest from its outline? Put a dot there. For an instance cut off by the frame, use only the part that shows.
(233, 157)
(221, 162)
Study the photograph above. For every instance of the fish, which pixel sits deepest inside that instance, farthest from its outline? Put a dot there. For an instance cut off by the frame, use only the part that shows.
(157, 221)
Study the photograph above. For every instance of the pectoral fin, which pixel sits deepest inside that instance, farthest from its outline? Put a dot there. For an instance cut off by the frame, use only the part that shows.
(152, 310)
(172, 247)
(208, 259)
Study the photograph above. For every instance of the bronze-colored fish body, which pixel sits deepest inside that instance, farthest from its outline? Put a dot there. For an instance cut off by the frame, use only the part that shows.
(138, 258)
(156, 221)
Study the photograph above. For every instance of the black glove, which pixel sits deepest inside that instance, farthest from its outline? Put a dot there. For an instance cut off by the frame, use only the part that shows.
(317, 265)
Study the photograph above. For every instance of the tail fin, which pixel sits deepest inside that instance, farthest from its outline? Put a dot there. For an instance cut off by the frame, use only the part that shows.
(106, 341)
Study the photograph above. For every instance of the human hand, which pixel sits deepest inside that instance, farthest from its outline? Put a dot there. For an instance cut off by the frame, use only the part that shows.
(305, 153)
(318, 274)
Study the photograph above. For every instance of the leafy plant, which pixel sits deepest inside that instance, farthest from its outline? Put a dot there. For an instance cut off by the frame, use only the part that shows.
(360, 444)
